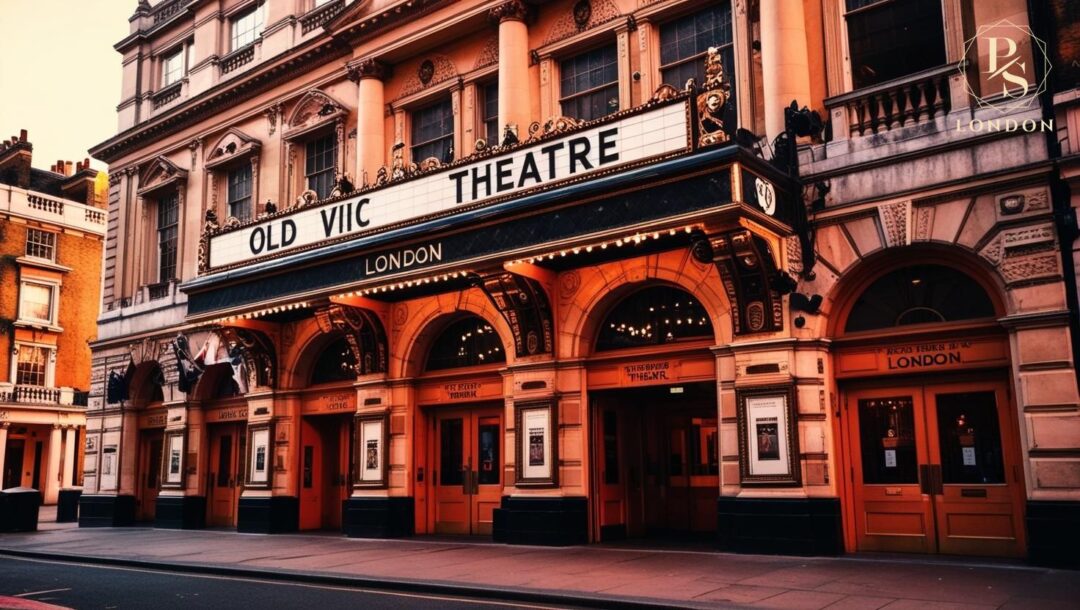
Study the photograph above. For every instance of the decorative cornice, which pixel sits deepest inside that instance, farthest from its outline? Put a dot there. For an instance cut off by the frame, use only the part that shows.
(513, 10)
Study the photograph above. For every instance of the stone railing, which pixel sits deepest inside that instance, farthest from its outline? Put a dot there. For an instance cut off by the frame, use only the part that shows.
(237, 58)
(31, 206)
(917, 98)
(36, 395)
(321, 16)
(167, 94)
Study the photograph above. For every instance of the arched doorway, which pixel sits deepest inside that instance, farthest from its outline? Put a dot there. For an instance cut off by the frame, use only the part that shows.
(327, 407)
(461, 394)
(225, 414)
(146, 395)
(928, 428)
(654, 446)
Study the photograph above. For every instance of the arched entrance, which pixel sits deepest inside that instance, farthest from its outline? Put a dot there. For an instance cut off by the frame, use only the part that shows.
(146, 394)
(461, 394)
(928, 426)
(327, 409)
(654, 447)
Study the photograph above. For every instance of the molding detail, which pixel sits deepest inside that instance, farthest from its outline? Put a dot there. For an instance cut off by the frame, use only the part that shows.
(599, 13)
(364, 332)
(442, 70)
(523, 303)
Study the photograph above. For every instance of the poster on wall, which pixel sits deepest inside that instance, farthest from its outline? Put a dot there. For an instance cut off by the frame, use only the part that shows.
(371, 446)
(174, 460)
(536, 457)
(259, 464)
(108, 468)
(768, 448)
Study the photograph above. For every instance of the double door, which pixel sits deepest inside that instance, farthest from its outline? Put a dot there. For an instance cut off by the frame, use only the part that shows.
(151, 450)
(225, 475)
(935, 469)
(468, 471)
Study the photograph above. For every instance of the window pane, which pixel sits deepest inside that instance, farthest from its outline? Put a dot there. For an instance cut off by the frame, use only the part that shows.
(490, 115)
(168, 217)
(451, 446)
(589, 72)
(37, 302)
(240, 193)
(970, 438)
(890, 40)
(433, 132)
(321, 164)
(654, 316)
(467, 342)
(919, 294)
(887, 436)
(41, 244)
(246, 28)
(172, 68)
(683, 44)
(30, 367)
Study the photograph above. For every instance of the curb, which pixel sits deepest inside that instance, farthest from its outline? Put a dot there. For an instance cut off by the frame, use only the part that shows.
(505, 594)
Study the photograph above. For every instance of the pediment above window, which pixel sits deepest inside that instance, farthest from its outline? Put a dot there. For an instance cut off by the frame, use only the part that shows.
(159, 174)
(232, 146)
(314, 111)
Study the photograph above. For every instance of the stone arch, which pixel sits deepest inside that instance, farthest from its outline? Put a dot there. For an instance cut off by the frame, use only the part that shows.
(845, 289)
(310, 342)
(413, 341)
(206, 389)
(598, 289)
(147, 384)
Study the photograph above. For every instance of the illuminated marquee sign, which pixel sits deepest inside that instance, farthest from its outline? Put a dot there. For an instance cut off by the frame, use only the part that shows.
(634, 138)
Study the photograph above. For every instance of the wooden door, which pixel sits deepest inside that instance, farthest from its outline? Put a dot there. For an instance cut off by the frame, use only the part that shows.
(468, 471)
(225, 484)
(934, 470)
(151, 446)
(311, 475)
(13, 462)
(975, 471)
(612, 516)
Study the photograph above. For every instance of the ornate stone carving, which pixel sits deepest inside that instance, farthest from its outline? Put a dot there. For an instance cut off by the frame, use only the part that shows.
(314, 107)
(569, 283)
(442, 70)
(524, 305)
(992, 251)
(1031, 268)
(664, 93)
(749, 275)
(368, 68)
(401, 314)
(489, 55)
(894, 222)
(712, 100)
(924, 220)
(514, 10)
(363, 331)
(426, 71)
(273, 115)
(587, 14)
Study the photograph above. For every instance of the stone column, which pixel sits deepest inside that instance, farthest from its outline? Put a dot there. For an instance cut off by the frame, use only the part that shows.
(513, 66)
(3, 449)
(785, 65)
(69, 457)
(52, 471)
(371, 126)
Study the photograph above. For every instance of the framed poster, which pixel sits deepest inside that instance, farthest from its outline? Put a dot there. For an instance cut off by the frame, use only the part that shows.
(108, 468)
(172, 476)
(768, 440)
(372, 441)
(258, 456)
(537, 451)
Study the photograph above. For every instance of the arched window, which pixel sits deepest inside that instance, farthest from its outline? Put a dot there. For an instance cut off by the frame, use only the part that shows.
(468, 342)
(921, 294)
(654, 316)
(335, 363)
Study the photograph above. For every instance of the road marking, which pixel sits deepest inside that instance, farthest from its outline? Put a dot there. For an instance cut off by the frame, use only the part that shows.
(40, 592)
(285, 584)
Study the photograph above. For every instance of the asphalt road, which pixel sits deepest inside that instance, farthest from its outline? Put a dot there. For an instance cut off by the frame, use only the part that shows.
(80, 585)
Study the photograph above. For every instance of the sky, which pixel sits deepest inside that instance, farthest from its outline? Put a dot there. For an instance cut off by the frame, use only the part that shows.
(59, 74)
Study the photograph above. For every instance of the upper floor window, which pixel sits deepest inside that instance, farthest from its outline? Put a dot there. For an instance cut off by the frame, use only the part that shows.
(172, 67)
(31, 365)
(684, 43)
(920, 294)
(889, 39)
(654, 316)
(468, 342)
(489, 113)
(589, 84)
(239, 195)
(246, 27)
(168, 219)
(37, 302)
(320, 164)
(41, 244)
(433, 132)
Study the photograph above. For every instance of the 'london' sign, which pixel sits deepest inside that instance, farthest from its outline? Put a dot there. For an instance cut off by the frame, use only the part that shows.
(654, 133)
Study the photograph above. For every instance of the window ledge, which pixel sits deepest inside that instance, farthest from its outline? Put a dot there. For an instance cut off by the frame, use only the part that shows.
(37, 325)
(44, 263)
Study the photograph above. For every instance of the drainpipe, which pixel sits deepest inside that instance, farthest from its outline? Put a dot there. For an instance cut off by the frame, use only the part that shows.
(1060, 195)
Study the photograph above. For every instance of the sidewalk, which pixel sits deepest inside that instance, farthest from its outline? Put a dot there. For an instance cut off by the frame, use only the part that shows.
(606, 575)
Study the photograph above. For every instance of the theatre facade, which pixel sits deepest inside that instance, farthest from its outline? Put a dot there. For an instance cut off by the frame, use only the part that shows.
(499, 270)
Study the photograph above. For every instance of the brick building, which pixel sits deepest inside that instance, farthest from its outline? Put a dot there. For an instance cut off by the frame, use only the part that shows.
(52, 227)
(509, 269)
